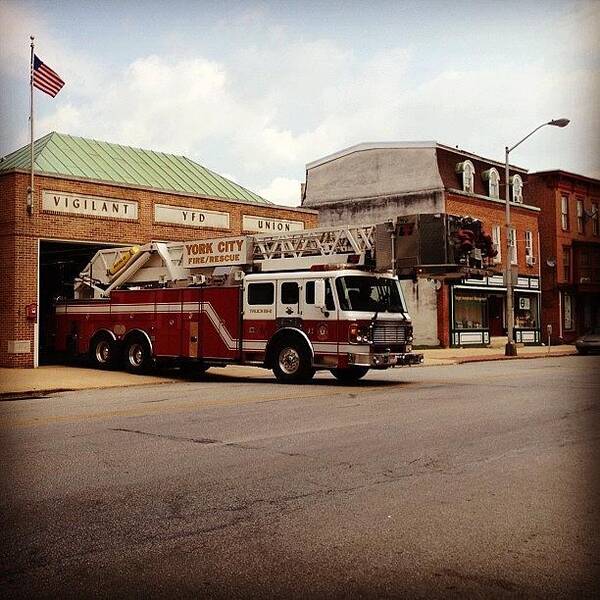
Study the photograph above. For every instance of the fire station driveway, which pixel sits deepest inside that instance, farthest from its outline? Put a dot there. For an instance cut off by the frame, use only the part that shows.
(471, 480)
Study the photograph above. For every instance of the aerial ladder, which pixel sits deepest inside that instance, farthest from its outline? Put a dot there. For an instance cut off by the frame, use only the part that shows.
(433, 246)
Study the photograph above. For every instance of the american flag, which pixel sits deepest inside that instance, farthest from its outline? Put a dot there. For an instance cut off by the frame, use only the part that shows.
(45, 79)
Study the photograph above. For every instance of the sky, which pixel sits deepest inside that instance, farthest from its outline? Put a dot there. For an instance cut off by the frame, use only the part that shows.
(255, 90)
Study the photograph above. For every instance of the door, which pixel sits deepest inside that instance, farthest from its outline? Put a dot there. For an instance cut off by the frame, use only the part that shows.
(220, 317)
(320, 325)
(288, 303)
(496, 315)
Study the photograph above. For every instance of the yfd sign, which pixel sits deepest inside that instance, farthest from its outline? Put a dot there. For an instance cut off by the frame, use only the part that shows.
(219, 252)
(192, 217)
(89, 206)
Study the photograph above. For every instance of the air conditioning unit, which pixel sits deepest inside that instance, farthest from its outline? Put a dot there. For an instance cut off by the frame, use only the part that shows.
(530, 260)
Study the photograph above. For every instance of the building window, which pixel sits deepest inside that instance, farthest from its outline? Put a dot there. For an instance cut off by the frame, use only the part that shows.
(517, 188)
(493, 178)
(467, 170)
(564, 212)
(566, 264)
(568, 308)
(529, 256)
(580, 221)
(497, 239)
(470, 311)
(595, 219)
(526, 311)
(512, 239)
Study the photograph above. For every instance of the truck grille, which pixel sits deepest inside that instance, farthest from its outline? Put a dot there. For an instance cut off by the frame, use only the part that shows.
(389, 333)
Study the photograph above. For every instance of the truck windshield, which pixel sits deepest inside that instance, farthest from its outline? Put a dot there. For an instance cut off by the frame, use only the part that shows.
(372, 294)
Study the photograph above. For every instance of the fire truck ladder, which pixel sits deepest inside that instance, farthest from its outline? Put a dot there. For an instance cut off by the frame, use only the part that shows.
(159, 262)
(302, 249)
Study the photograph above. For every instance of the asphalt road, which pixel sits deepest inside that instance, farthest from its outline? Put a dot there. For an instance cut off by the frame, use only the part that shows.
(473, 480)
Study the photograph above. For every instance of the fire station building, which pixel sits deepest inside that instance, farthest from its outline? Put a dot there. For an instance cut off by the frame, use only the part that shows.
(90, 195)
(374, 182)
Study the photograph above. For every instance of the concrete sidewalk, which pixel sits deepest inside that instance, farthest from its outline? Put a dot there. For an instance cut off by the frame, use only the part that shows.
(15, 383)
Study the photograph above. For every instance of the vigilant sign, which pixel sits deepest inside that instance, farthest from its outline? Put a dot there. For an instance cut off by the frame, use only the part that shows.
(91, 206)
(193, 217)
(221, 252)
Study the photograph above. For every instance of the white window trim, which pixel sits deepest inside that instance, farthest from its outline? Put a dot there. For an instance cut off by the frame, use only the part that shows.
(516, 179)
(528, 243)
(564, 212)
(497, 239)
(514, 258)
(493, 180)
(467, 169)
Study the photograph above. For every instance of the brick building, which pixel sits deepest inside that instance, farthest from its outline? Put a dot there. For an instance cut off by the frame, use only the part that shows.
(89, 195)
(570, 242)
(373, 182)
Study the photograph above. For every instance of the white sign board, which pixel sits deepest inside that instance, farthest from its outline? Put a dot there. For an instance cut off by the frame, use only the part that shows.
(221, 252)
(91, 206)
(267, 225)
(193, 217)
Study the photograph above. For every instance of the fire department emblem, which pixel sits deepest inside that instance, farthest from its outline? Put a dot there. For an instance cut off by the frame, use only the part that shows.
(322, 331)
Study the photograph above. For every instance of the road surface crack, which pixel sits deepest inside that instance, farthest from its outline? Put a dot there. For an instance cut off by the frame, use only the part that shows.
(175, 438)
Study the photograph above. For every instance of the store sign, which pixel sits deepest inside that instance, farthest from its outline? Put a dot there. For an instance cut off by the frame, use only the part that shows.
(91, 206)
(524, 304)
(266, 225)
(221, 252)
(180, 215)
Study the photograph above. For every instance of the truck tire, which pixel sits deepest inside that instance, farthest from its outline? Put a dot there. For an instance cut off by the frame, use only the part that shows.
(136, 355)
(103, 351)
(292, 362)
(350, 374)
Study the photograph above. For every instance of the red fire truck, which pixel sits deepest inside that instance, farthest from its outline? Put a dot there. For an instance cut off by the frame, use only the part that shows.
(293, 302)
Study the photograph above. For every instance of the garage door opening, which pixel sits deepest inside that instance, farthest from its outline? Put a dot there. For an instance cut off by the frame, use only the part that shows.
(60, 263)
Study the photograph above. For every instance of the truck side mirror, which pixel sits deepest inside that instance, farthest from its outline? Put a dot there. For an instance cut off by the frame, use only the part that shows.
(320, 294)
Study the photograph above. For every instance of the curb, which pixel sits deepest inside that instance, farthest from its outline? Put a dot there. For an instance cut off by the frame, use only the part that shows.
(472, 359)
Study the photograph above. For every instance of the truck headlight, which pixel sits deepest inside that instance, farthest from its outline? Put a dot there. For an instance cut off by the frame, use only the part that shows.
(358, 334)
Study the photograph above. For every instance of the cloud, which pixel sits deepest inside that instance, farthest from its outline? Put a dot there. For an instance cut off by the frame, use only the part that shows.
(279, 99)
(282, 191)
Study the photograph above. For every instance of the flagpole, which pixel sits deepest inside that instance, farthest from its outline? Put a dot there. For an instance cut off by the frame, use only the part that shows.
(31, 188)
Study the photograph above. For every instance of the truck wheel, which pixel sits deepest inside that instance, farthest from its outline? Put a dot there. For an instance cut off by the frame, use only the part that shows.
(103, 352)
(292, 362)
(137, 355)
(350, 374)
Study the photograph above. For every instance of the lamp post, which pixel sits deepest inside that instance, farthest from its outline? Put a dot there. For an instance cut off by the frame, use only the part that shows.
(511, 348)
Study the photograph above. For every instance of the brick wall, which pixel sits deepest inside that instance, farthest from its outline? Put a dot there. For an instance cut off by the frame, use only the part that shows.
(19, 234)
(493, 213)
(547, 189)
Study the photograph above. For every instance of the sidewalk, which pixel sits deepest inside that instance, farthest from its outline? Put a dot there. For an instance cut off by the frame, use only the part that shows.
(453, 356)
(15, 383)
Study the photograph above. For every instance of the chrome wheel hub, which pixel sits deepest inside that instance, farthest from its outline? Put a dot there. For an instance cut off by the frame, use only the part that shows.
(289, 360)
(136, 354)
(102, 352)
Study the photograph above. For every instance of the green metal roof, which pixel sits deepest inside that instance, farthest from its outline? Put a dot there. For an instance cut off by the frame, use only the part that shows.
(61, 154)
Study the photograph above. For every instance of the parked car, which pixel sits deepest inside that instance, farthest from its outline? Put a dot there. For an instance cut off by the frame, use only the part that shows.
(589, 342)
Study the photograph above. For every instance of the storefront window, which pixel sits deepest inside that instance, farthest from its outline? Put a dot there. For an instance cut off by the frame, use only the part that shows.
(470, 311)
(568, 311)
(526, 311)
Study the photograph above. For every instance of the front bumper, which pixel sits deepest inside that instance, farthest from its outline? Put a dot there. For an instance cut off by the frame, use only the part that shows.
(384, 360)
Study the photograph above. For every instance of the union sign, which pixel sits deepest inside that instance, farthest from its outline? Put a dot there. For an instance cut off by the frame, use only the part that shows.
(267, 225)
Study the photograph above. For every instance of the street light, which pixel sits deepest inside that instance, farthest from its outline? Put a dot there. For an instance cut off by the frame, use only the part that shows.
(511, 348)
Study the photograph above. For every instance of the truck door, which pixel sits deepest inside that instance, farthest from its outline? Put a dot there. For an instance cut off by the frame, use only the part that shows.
(288, 303)
(320, 325)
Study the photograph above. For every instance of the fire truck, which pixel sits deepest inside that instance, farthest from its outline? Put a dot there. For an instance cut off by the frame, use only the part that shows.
(293, 302)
